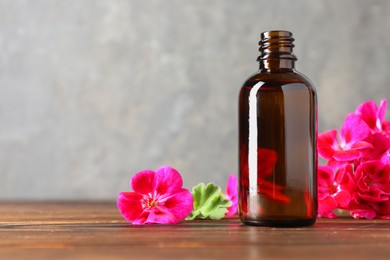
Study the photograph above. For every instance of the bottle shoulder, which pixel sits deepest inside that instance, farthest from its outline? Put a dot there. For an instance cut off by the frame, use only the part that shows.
(285, 83)
(278, 79)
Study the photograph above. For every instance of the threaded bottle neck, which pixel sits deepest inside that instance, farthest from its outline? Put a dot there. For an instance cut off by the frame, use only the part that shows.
(276, 51)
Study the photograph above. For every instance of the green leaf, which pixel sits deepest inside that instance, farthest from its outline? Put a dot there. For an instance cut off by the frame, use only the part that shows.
(209, 202)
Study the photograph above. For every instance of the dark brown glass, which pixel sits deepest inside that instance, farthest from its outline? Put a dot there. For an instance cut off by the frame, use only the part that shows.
(277, 140)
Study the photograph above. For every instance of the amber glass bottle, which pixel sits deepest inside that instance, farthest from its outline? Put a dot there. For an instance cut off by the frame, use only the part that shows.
(277, 139)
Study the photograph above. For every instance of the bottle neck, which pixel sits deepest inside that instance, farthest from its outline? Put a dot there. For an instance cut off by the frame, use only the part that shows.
(277, 65)
(276, 51)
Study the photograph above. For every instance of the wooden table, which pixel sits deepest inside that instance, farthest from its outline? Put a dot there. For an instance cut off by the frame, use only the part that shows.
(96, 230)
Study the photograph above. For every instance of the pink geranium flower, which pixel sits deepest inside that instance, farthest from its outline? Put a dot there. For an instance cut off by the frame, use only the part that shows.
(351, 145)
(373, 181)
(330, 195)
(232, 194)
(372, 196)
(157, 197)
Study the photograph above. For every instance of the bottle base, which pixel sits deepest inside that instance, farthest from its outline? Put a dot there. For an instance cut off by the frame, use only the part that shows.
(280, 223)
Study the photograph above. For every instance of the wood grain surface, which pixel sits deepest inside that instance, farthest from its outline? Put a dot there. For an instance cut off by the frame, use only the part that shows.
(96, 230)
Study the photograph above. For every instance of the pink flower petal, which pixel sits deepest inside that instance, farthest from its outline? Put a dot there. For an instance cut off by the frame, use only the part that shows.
(380, 145)
(345, 178)
(346, 156)
(372, 115)
(327, 142)
(386, 127)
(232, 186)
(325, 181)
(343, 198)
(365, 212)
(129, 204)
(161, 215)
(329, 214)
(386, 158)
(368, 169)
(372, 195)
(368, 112)
(232, 194)
(142, 219)
(168, 180)
(354, 129)
(232, 210)
(332, 163)
(381, 112)
(360, 145)
(326, 205)
(143, 182)
(383, 209)
(180, 204)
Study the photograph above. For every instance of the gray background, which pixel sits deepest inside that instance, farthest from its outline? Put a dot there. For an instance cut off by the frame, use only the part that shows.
(93, 91)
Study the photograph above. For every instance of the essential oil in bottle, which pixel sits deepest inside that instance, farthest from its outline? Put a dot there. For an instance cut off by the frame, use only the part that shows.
(277, 139)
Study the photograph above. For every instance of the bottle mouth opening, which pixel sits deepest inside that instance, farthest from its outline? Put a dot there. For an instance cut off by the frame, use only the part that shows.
(275, 34)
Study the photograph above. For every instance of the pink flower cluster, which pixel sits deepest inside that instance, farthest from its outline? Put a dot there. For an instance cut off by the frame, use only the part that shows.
(357, 175)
